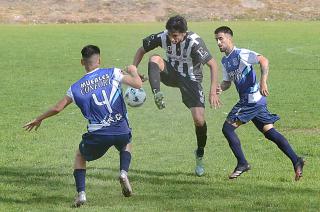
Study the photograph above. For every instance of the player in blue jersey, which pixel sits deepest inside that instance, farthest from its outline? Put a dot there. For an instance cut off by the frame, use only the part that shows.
(238, 67)
(98, 94)
(186, 55)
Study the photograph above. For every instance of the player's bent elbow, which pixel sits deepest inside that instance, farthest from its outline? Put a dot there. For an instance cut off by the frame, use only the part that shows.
(225, 85)
(264, 61)
(56, 109)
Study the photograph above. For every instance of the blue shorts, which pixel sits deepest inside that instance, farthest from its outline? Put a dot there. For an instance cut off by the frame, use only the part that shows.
(95, 146)
(245, 112)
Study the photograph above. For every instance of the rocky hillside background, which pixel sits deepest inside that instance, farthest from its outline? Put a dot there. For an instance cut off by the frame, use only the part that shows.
(106, 11)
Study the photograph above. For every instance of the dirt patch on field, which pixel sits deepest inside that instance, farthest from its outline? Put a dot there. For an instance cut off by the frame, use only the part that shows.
(105, 11)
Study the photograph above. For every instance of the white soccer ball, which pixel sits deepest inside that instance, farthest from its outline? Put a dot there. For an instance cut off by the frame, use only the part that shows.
(135, 97)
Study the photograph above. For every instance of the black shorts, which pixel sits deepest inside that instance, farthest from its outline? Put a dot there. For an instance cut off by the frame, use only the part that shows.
(191, 91)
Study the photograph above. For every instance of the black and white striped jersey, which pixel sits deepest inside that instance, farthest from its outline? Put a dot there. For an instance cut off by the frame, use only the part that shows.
(187, 57)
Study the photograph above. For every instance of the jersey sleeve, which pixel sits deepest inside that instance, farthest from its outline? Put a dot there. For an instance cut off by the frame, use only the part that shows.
(152, 41)
(70, 94)
(249, 56)
(200, 52)
(118, 75)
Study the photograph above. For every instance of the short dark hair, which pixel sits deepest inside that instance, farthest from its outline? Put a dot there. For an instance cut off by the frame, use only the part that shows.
(177, 24)
(89, 50)
(224, 29)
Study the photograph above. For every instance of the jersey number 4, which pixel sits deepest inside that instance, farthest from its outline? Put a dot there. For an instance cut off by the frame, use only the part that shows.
(104, 102)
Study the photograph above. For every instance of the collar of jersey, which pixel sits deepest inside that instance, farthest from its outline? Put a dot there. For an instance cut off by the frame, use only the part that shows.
(234, 47)
(92, 71)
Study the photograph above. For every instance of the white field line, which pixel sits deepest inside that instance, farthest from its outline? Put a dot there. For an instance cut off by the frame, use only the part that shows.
(296, 51)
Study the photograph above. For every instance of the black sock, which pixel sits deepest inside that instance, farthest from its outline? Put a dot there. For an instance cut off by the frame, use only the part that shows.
(125, 159)
(80, 179)
(201, 133)
(234, 143)
(282, 144)
(154, 76)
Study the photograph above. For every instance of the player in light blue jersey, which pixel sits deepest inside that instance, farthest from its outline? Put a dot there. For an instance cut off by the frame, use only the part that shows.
(238, 67)
(98, 94)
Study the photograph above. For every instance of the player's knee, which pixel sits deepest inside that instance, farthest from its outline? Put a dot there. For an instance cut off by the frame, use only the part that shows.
(155, 59)
(199, 122)
(79, 156)
(227, 128)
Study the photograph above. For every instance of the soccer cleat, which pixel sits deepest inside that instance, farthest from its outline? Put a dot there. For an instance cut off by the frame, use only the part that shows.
(239, 170)
(80, 199)
(158, 99)
(199, 170)
(298, 168)
(125, 185)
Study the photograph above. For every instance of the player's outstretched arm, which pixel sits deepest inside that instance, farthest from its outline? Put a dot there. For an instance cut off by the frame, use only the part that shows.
(214, 99)
(137, 59)
(51, 112)
(132, 77)
(264, 66)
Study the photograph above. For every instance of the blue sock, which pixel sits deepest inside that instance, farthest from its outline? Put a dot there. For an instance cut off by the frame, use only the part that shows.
(125, 159)
(201, 133)
(234, 142)
(282, 143)
(80, 179)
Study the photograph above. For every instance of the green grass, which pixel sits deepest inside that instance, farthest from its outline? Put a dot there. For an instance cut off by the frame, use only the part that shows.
(40, 62)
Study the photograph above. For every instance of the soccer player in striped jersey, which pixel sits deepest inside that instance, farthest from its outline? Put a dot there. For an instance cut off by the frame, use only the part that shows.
(186, 54)
(238, 67)
(98, 94)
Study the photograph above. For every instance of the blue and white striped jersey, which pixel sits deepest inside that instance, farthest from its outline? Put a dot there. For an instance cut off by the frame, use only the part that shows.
(238, 67)
(98, 94)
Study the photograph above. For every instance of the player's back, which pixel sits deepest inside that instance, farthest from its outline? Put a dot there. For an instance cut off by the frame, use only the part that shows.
(98, 94)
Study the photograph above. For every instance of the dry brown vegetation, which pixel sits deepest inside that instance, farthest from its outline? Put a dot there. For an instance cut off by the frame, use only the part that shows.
(102, 11)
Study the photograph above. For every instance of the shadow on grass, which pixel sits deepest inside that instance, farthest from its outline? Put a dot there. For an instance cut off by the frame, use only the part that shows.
(157, 177)
(28, 186)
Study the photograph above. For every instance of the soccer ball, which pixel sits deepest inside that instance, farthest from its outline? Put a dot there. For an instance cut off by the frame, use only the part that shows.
(135, 97)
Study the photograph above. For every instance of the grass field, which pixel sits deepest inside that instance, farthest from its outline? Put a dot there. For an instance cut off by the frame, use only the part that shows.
(40, 62)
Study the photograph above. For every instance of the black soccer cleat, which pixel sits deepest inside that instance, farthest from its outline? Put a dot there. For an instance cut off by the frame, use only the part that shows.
(298, 168)
(239, 170)
(158, 99)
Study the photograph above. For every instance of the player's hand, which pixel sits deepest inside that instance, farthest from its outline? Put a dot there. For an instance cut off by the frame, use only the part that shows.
(264, 89)
(131, 68)
(35, 123)
(143, 77)
(214, 100)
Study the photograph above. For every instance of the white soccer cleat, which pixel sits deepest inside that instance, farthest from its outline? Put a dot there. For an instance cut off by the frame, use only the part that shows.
(199, 170)
(125, 184)
(80, 199)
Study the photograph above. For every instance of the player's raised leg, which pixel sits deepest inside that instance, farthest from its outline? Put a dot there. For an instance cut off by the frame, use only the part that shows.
(155, 66)
(79, 174)
(276, 137)
(201, 134)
